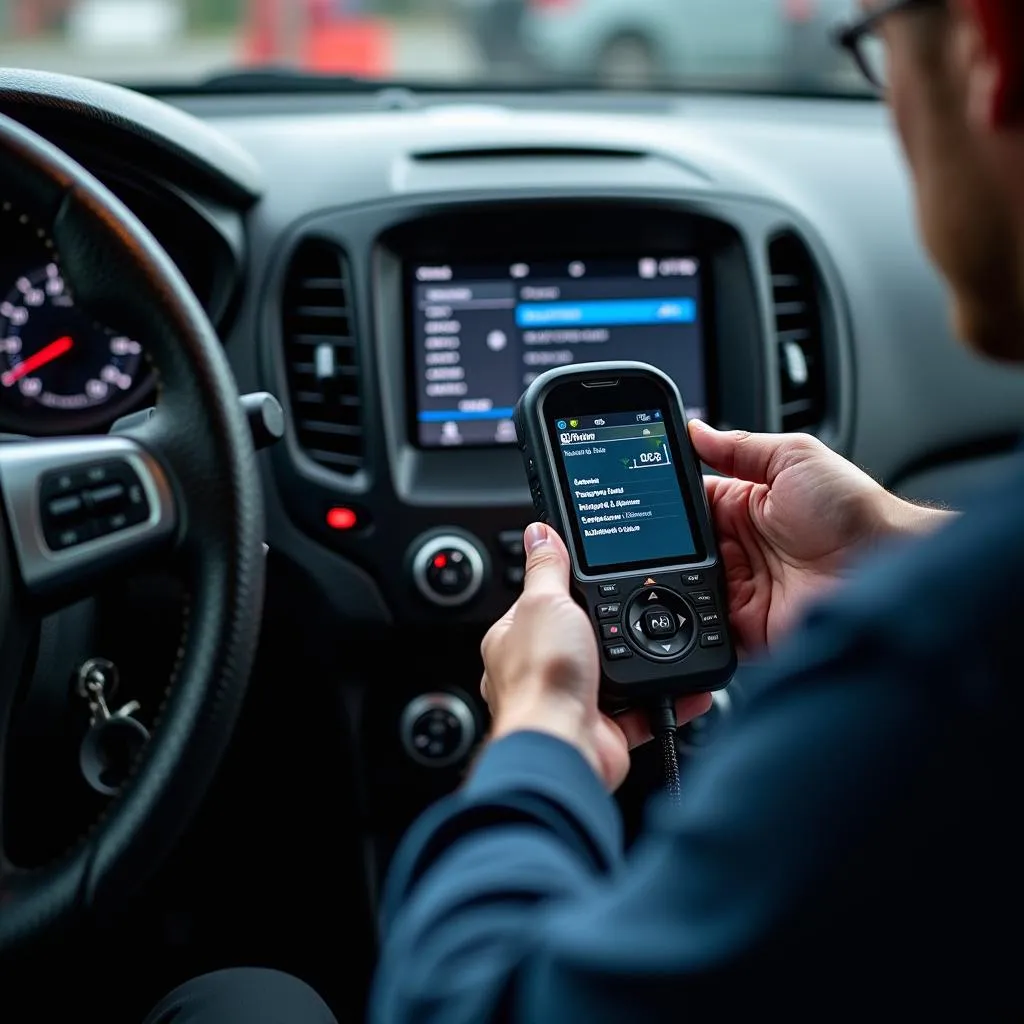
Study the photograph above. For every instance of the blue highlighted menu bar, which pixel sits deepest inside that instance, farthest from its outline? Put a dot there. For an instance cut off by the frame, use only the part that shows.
(458, 416)
(607, 313)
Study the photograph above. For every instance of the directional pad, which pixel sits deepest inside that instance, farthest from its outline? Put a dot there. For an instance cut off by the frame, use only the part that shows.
(660, 623)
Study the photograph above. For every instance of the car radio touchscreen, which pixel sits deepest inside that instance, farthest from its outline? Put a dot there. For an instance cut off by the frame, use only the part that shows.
(482, 333)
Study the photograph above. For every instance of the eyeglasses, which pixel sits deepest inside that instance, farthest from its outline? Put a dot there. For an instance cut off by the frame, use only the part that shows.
(860, 38)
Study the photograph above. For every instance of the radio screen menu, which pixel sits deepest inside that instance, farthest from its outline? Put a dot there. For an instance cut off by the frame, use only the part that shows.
(482, 333)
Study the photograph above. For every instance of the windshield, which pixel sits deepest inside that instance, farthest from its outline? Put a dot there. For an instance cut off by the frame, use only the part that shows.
(678, 44)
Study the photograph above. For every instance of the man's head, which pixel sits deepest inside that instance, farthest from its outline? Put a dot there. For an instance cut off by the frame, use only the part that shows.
(956, 87)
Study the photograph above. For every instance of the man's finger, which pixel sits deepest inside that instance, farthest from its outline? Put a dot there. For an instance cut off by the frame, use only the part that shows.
(754, 457)
(547, 561)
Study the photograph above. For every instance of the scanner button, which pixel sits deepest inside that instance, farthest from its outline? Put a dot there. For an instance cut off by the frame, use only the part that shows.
(616, 652)
(608, 589)
(712, 638)
(660, 622)
(693, 579)
(612, 610)
(702, 597)
(611, 630)
(708, 618)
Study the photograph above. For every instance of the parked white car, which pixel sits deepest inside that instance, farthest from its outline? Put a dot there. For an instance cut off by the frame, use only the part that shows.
(648, 42)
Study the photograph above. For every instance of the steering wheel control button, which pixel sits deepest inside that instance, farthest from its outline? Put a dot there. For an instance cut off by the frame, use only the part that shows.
(438, 729)
(62, 508)
(660, 623)
(712, 638)
(612, 610)
(616, 652)
(702, 597)
(693, 579)
(708, 618)
(71, 536)
(611, 630)
(448, 570)
(106, 495)
(89, 502)
(608, 589)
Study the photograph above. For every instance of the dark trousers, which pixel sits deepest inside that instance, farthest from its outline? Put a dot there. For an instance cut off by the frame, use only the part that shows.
(242, 995)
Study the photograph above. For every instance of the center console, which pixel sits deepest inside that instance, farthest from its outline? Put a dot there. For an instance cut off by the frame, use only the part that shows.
(451, 310)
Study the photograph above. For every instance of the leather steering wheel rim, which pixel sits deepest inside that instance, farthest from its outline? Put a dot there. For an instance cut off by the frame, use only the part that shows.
(197, 464)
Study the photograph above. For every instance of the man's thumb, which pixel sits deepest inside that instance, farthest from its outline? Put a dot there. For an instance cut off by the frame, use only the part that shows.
(547, 561)
(739, 453)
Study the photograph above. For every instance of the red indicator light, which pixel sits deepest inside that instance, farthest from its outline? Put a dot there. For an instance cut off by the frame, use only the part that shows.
(440, 561)
(341, 519)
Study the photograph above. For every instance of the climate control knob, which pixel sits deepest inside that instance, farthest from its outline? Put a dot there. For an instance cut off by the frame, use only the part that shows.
(438, 729)
(448, 569)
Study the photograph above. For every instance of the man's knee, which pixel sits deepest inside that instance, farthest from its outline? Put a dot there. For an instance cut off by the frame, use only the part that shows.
(242, 995)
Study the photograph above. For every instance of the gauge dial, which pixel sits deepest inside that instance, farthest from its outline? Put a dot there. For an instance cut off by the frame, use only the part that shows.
(53, 354)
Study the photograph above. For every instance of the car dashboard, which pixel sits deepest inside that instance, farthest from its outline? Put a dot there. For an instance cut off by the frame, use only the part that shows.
(396, 272)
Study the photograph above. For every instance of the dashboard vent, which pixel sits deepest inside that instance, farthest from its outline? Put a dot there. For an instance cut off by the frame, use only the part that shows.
(796, 299)
(321, 356)
(529, 153)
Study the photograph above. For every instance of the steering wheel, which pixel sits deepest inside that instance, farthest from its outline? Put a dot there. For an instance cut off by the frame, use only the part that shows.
(189, 489)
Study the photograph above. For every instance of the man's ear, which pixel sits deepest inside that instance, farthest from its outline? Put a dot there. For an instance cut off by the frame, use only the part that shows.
(992, 32)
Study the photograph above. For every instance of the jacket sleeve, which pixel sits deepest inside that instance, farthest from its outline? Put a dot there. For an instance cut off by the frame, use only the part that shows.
(513, 899)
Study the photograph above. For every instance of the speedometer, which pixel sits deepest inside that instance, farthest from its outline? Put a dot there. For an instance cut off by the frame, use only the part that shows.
(52, 354)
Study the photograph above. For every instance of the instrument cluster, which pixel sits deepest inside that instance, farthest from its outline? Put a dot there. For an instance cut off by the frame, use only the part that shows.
(60, 371)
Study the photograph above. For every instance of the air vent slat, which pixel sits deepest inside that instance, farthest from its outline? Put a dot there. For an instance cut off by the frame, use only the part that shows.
(339, 341)
(796, 301)
(329, 458)
(326, 312)
(323, 283)
(325, 427)
(321, 356)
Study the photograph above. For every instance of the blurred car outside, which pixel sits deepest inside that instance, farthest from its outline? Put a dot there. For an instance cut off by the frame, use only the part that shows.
(622, 43)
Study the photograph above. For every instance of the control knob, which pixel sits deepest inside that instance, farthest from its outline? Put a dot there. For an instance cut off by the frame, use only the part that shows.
(438, 729)
(448, 569)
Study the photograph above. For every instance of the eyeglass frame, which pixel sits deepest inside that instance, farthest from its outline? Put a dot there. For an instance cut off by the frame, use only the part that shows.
(851, 37)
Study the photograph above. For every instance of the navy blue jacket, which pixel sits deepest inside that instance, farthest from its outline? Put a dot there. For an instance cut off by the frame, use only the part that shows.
(849, 845)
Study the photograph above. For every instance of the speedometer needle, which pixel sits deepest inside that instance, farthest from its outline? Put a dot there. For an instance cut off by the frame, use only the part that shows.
(37, 360)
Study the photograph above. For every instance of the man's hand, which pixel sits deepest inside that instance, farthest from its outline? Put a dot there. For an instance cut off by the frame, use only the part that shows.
(788, 520)
(541, 668)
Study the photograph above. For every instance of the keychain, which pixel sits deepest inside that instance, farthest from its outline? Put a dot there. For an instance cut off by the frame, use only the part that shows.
(114, 739)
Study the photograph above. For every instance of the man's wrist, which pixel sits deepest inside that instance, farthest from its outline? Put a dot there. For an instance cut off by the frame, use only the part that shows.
(565, 718)
(904, 518)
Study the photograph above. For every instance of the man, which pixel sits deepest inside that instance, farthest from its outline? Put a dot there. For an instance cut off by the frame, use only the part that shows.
(850, 846)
